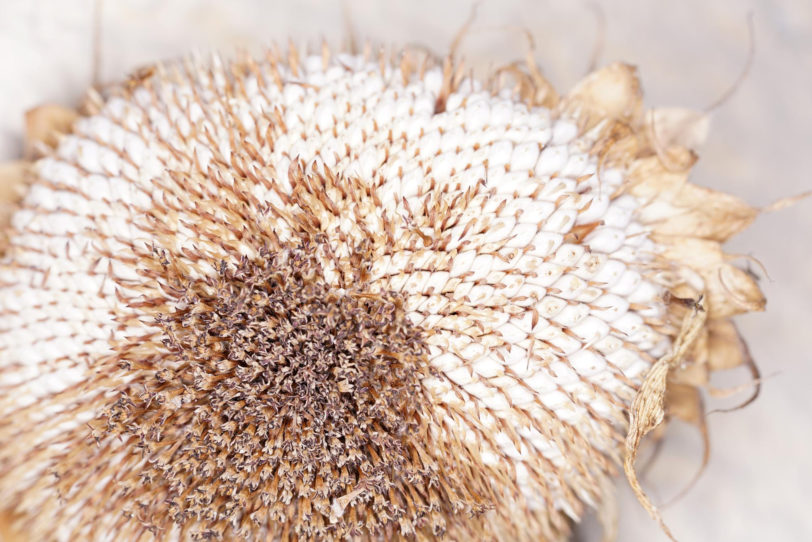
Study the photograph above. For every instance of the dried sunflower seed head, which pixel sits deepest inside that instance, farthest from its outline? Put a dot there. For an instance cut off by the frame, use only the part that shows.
(335, 297)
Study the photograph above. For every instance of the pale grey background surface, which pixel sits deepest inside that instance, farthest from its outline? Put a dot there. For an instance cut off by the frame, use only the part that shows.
(758, 485)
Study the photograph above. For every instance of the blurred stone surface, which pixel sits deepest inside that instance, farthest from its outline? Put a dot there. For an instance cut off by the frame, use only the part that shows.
(758, 485)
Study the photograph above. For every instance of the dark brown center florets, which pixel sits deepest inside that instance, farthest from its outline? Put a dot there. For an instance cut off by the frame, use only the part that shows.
(271, 341)
(272, 397)
(276, 388)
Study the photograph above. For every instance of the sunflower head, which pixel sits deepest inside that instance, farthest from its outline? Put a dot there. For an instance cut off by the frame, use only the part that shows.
(347, 297)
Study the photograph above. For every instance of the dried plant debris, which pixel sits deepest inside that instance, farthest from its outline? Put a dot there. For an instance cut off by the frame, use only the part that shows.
(354, 297)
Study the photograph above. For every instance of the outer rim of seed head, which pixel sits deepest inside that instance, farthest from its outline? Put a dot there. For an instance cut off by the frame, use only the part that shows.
(608, 102)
